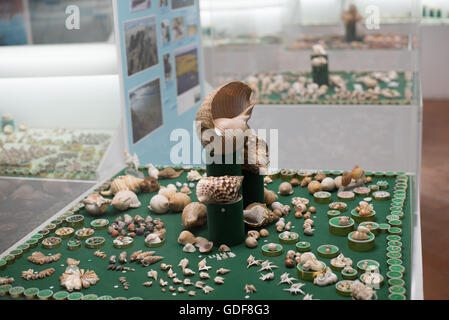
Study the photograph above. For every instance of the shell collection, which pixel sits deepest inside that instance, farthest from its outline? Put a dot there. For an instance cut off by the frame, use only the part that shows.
(202, 268)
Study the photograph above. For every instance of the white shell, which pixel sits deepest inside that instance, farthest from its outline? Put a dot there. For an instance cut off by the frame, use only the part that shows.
(193, 175)
(124, 200)
(326, 278)
(158, 204)
(153, 171)
(328, 184)
(189, 248)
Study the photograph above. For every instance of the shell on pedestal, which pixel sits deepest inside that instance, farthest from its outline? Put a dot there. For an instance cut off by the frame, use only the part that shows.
(219, 189)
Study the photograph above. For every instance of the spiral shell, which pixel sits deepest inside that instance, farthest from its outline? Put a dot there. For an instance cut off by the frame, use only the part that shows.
(219, 189)
(124, 200)
(159, 204)
(127, 182)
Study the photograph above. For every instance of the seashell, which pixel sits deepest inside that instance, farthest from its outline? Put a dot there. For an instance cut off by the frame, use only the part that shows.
(193, 175)
(359, 291)
(183, 263)
(23, 127)
(269, 197)
(121, 183)
(264, 233)
(309, 222)
(338, 182)
(295, 182)
(280, 225)
(147, 283)
(207, 289)
(224, 248)
(251, 242)
(219, 280)
(346, 179)
(178, 201)
(194, 215)
(256, 215)
(326, 278)
(267, 276)
(152, 238)
(169, 173)
(8, 129)
(357, 173)
(285, 209)
(204, 246)
(223, 271)
(153, 172)
(202, 265)
(267, 180)
(305, 181)
(328, 184)
(162, 283)
(309, 231)
(285, 188)
(314, 186)
(186, 237)
(320, 176)
(159, 204)
(176, 281)
(272, 246)
(254, 233)
(191, 293)
(190, 248)
(187, 282)
(249, 288)
(185, 190)
(125, 199)
(171, 274)
(219, 189)
(95, 204)
(149, 185)
(204, 275)
(182, 290)
(152, 274)
(188, 272)
(358, 235)
(167, 192)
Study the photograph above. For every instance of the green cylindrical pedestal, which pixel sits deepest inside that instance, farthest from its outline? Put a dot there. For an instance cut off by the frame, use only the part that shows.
(320, 73)
(252, 188)
(350, 32)
(225, 223)
(225, 168)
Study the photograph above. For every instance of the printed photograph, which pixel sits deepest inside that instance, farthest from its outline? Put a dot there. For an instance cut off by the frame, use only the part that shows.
(165, 31)
(187, 73)
(163, 3)
(192, 25)
(146, 109)
(137, 5)
(178, 28)
(141, 44)
(178, 4)
(168, 67)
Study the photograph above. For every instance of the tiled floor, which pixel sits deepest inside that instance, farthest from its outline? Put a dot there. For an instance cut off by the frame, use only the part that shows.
(434, 199)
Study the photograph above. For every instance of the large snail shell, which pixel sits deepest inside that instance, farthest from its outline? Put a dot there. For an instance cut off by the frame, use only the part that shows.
(218, 189)
(178, 202)
(95, 204)
(194, 215)
(256, 215)
(158, 204)
(125, 199)
(127, 182)
(224, 108)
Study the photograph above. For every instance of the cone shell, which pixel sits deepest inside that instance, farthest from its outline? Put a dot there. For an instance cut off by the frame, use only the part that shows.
(219, 189)
(194, 215)
(179, 201)
(127, 182)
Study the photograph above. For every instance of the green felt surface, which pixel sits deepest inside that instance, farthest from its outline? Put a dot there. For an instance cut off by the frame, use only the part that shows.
(350, 78)
(239, 275)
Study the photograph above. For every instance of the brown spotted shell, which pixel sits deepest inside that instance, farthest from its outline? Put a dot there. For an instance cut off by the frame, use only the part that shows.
(219, 189)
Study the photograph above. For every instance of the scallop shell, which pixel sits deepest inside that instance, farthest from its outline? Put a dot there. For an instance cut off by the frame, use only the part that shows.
(194, 215)
(178, 202)
(219, 189)
(256, 215)
(158, 204)
(125, 199)
(95, 204)
(127, 182)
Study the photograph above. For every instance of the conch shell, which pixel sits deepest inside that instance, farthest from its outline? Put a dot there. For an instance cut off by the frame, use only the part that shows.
(127, 182)
(222, 119)
(256, 215)
(169, 173)
(125, 199)
(194, 215)
(178, 202)
(219, 189)
(159, 204)
(95, 204)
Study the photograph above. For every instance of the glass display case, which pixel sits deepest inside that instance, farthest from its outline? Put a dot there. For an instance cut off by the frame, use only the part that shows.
(369, 111)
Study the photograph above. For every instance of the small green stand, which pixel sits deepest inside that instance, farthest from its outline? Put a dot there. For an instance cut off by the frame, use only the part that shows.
(223, 169)
(225, 223)
(320, 73)
(252, 188)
